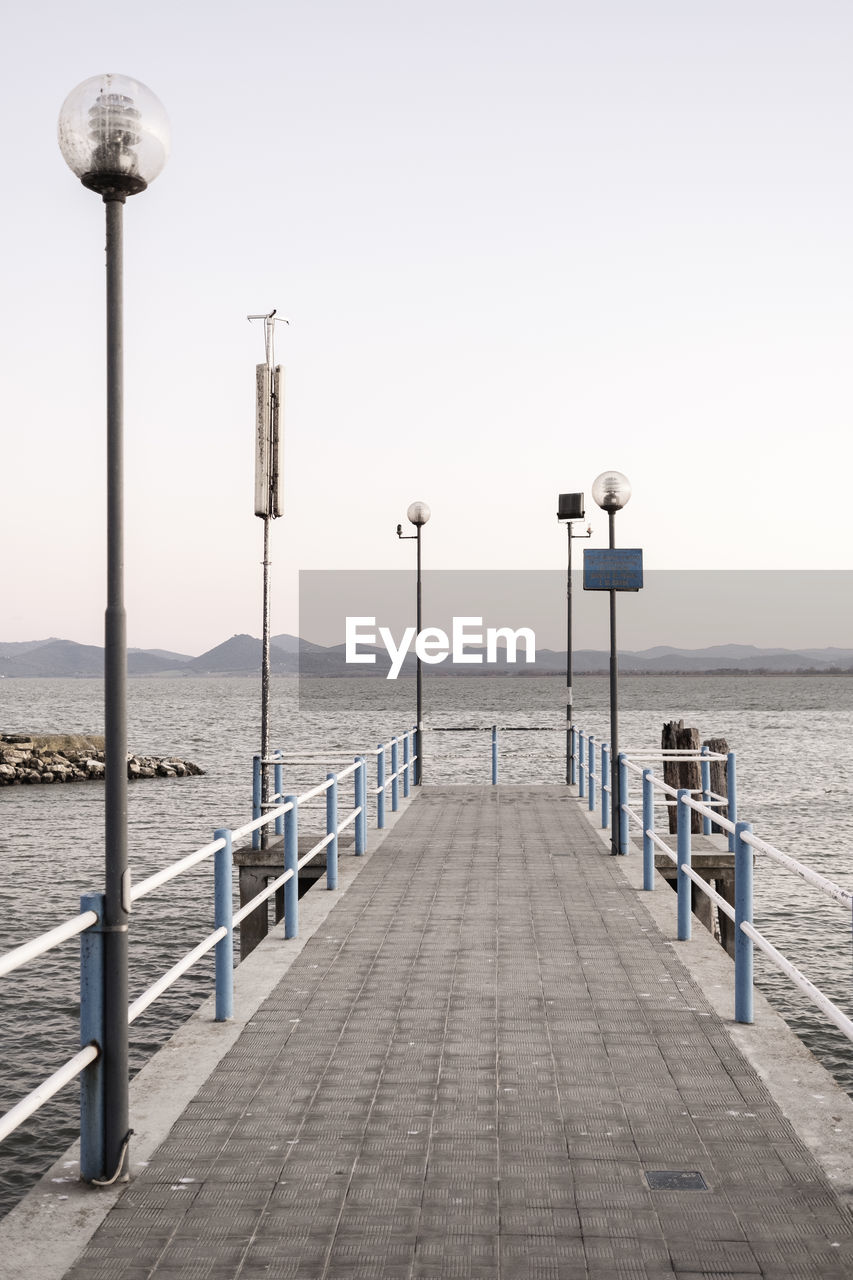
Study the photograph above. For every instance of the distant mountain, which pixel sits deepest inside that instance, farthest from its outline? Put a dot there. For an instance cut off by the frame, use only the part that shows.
(66, 658)
(663, 660)
(241, 655)
(13, 648)
(174, 659)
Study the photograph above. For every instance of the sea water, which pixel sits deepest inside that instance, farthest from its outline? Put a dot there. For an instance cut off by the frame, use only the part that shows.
(793, 737)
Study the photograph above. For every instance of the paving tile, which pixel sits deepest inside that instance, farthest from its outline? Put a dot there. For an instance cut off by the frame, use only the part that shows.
(468, 1073)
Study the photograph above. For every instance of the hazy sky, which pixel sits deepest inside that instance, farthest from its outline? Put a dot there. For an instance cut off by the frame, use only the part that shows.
(518, 244)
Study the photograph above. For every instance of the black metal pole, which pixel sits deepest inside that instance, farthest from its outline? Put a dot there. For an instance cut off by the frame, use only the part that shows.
(615, 796)
(117, 876)
(265, 687)
(419, 763)
(569, 696)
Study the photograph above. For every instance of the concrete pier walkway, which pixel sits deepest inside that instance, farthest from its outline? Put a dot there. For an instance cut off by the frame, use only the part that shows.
(488, 1062)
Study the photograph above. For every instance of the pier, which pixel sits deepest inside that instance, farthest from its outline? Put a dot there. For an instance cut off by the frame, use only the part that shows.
(489, 1059)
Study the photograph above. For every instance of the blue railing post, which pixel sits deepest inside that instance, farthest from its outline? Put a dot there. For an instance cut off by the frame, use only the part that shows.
(291, 863)
(279, 787)
(494, 755)
(685, 885)
(731, 791)
(223, 894)
(705, 773)
(623, 803)
(590, 756)
(92, 1154)
(360, 777)
(395, 781)
(407, 753)
(332, 830)
(605, 784)
(573, 774)
(648, 829)
(380, 787)
(743, 913)
(581, 766)
(256, 799)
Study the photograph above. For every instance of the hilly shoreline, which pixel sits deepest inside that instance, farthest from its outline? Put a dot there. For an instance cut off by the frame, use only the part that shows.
(290, 656)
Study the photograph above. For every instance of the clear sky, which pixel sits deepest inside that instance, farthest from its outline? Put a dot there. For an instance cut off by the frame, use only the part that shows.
(519, 243)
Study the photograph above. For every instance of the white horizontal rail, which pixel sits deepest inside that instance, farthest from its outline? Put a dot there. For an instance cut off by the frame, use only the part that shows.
(318, 847)
(177, 971)
(799, 979)
(46, 1090)
(342, 826)
(814, 878)
(316, 791)
(258, 823)
(46, 941)
(707, 812)
(632, 814)
(261, 897)
(725, 907)
(686, 754)
(169, 873)
(314, 759)
(662, 845)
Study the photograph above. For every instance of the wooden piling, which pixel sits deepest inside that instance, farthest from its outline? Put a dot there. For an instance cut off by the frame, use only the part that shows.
(719, 775)
(682, 773)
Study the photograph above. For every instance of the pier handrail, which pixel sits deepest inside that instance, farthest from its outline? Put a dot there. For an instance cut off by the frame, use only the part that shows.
(743, 843)
(283, 814)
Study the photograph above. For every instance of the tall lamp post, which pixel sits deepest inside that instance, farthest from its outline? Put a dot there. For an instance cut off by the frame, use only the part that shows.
(611, 490)
(417, 514)
(114, 135)
(570, 506)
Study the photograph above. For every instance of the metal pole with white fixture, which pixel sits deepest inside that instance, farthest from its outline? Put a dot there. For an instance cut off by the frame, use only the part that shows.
(417, 514)
(611, 490)
(114, 135)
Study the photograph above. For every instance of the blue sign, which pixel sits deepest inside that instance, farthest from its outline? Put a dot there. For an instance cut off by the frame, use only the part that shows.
(619, 569)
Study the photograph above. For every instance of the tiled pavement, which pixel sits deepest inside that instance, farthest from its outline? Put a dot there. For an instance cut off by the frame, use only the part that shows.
(469, 1072)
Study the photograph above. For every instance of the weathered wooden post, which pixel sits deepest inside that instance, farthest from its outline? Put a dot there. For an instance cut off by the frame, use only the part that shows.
(682, 774)
(719, 775)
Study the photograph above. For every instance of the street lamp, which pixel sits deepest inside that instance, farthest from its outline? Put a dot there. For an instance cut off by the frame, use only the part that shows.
(569, 508)
(114, 134)
(611, 490)
(417, 514)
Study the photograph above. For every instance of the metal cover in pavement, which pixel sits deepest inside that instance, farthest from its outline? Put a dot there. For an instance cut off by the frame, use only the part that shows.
(676, 1180)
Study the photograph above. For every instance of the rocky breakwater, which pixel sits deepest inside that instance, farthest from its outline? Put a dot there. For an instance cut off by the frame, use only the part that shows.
(36, 758)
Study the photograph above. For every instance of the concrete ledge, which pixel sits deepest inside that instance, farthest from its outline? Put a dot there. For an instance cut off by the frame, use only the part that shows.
(42, 1236)
(818, 1108)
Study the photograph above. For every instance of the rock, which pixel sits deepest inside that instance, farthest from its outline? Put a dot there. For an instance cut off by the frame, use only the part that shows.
(69, 758)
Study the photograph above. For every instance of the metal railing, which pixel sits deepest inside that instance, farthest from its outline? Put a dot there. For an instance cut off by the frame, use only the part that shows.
(742, 842)
(283, 815)
(495, 730)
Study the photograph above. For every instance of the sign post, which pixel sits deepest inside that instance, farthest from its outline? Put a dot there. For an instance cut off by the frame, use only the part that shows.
(268, 505)
(613, 571)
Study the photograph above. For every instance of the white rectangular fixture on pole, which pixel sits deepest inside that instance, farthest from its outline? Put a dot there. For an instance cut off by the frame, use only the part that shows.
(269, 440)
